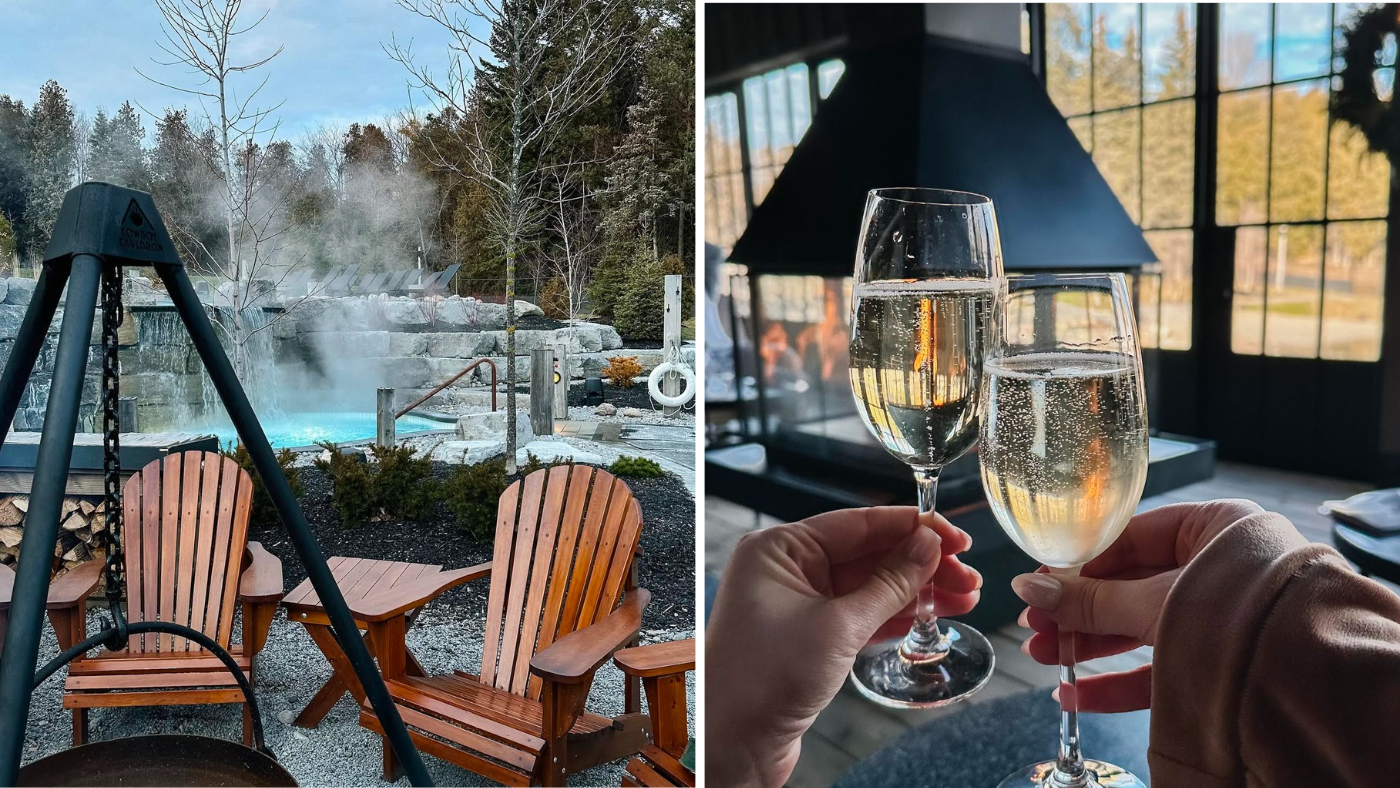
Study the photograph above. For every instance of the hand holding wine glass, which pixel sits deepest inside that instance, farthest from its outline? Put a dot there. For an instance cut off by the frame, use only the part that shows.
(922, 299)
(1116, 602)
(1063, 453)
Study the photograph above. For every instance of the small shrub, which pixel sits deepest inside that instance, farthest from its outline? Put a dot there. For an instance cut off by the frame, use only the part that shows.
(636, 467)
(398, 485)
(404, 487)
(472, 493)
(554, 299)
(352, 485)
(533, 463)
(621, 370)
(264, 513)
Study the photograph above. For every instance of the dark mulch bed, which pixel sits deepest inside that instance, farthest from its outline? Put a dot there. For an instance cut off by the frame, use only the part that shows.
(538, 322)
(635, 397)
(668, 545)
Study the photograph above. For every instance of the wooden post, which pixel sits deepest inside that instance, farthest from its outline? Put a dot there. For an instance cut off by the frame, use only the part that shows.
(561, 380)
(542, 392)
(126, 414)
(672, 384)
(384, 418)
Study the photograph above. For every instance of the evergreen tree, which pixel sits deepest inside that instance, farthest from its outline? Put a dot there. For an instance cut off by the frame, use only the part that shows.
(14, 166)
(116, 154)
(52, 145)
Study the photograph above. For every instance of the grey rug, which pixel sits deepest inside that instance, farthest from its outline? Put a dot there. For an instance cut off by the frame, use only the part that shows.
(984, 743)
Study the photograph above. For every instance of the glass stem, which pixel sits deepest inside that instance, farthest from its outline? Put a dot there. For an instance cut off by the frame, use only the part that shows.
(1069, 764)
(925, 642)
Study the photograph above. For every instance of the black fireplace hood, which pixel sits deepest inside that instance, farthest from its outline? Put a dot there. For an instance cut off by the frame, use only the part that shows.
(922, 110)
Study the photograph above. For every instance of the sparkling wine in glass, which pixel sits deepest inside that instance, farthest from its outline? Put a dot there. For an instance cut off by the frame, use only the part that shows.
(922, 302)
(1064, 451)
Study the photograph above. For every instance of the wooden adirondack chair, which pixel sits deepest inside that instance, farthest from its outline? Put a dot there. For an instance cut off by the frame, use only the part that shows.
(662, 668)
(188, 560)
(565, 541)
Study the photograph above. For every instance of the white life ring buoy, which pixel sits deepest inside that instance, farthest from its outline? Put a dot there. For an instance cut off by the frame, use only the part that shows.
(654, 384)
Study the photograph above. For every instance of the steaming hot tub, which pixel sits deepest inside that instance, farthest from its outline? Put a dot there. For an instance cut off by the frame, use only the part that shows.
(309, 428)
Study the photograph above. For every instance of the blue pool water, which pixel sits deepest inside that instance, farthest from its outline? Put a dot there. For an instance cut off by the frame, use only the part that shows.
(305, 429)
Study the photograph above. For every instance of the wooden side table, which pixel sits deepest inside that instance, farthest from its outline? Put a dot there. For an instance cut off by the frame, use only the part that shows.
(358, 578)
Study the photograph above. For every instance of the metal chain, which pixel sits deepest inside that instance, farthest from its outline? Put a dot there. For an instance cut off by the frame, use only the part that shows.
(115, 571)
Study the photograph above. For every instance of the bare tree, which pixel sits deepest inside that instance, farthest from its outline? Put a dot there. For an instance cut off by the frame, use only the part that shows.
(514, 93)
(198, 37)
(577, 241)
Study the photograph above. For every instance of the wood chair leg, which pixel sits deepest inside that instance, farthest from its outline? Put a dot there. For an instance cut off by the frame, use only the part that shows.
(393, 770)
(632, 687)
(562, 705)
(80, 727)
(321, 703)
(247, 725)
(666, 702)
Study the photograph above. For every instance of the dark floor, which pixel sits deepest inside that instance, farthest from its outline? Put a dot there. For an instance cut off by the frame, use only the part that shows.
(851, 728)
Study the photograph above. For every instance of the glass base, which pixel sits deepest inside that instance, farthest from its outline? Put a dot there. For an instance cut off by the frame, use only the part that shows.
(881, 674)
(1100, 774)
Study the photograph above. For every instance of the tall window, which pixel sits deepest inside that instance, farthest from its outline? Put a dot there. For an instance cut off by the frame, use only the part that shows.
(778, 106)
(726, 209)
(1308, 199)
(776, 112)
(1124, 75)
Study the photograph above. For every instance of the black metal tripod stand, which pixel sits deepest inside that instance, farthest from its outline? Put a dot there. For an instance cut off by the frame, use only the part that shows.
(102, 225)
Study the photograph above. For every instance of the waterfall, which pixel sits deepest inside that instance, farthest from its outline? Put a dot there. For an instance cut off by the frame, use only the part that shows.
(166, 362)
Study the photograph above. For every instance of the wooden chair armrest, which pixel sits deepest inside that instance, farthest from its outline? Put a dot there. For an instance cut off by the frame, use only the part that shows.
(262, 576)
(573, 658)
(657, 659)
(73, 589)
(391, 602)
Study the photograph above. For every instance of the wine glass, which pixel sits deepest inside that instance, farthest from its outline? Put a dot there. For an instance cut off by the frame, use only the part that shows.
(921, 305)
(1064, 451)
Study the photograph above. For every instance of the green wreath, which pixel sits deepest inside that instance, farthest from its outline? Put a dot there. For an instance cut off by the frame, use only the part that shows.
(1354, 100)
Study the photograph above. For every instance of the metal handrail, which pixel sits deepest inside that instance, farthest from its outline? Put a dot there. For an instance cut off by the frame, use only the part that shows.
(488, 362)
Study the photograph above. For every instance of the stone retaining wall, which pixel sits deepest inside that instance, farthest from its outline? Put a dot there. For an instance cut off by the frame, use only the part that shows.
(327, 353)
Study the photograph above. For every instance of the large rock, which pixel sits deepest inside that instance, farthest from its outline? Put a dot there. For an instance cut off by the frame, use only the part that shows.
(4, 288)
(403, 372)
(405, 312)
(19, 290)
(467, 452)
(610, 338)
(11, 316)
(555, 451)
(491, 425)
(580, 337)
(461, 345)
(401, 344)
(521, 371)
(458, 312)
(523, 308)
(343, 345)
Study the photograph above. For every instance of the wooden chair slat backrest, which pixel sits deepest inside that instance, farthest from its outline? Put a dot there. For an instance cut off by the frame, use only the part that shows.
(565, 537)
(186, 527)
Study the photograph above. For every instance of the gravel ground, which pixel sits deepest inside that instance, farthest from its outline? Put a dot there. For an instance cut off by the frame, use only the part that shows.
(290, 669)
(668, 544)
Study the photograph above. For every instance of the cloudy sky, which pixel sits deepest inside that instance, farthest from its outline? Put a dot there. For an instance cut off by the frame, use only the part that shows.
(332, 68)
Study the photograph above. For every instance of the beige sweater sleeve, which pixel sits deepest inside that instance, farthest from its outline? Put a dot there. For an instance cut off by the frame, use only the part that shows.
(1276, 665)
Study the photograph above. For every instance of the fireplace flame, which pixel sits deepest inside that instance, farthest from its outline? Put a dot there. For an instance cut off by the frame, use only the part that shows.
(831, 335)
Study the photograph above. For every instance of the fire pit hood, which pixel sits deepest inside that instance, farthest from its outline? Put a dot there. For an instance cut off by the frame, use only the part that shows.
(917, 109)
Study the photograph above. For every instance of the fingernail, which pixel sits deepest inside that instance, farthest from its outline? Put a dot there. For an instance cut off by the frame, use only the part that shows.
(979, 578)
(1026, 647)
(1037, 590)
(1025, 618)
(967, 536)
(924, 545)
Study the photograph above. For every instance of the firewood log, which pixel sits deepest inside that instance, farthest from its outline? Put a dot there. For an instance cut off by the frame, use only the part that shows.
(75, 521)
(9, 513)
(21, 502)
(10, 536)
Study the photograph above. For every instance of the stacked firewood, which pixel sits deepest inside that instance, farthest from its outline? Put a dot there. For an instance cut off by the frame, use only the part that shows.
(81, 536)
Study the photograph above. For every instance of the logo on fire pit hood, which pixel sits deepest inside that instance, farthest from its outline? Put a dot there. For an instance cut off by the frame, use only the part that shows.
(136, 231)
